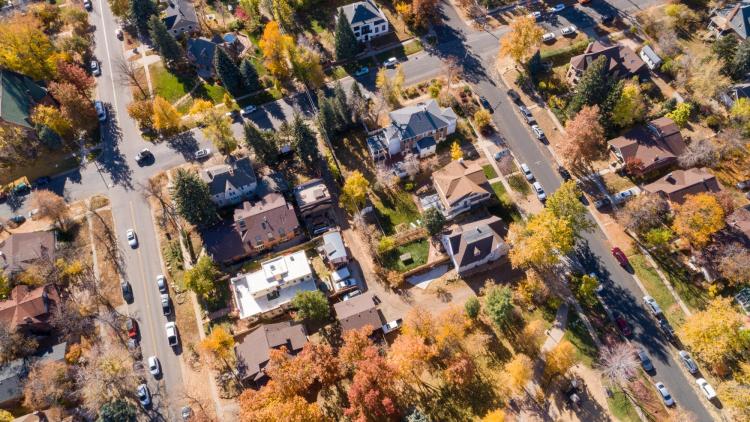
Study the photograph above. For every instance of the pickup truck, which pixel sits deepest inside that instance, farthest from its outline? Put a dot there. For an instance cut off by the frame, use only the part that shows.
(392, 326)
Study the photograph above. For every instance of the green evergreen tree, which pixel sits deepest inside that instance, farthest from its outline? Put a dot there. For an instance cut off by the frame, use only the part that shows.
(725, 48)
(606, 108)
(193, 199)
(311, 306)
(472, 307)
(741, 61)
(163, 41)
(140, 12)
(262, 143)
(249, 76)
(346, 45)
(117, 411)
(327, 118)
(304, 141)
(593, 87)
(499, 305)
(227, 71)
(434, 221)
(341, 105)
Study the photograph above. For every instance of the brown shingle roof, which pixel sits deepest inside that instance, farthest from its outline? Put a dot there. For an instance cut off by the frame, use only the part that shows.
(270, 218)
(21, 249)
(458, 180)
(28, 306)
(677, 185)
(474, 241)
(660, 142)
(621, 59)
(739, 221)
(253, 350)
(358, 312)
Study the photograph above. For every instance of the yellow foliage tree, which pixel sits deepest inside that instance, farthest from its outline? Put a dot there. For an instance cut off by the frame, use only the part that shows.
(390, 87)
(698, 218)
(714, 333)
(494, 416)
(560, 359)
(630, 107)
(519, 371)
(307, 68)
(218, 346)
(26, 49)
(166, 118)
(142, 111)
(456, 152)
(482, 119)
(737, 397)
(354, 192)
(54, 119)
(275, 48)
(540, 241)
(218, 130)
(532, 336)
(522, 39)
(200, 106)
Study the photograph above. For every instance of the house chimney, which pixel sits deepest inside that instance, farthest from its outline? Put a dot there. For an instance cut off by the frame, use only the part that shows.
(671, 179)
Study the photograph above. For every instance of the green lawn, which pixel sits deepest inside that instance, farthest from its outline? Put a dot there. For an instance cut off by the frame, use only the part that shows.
(504, 207)
(401, 51)
(577, 334)
(270, 94)
(657, 289)
(621, 407)
(393, 209)
(418, 250)
(489, 171)
(168, 85)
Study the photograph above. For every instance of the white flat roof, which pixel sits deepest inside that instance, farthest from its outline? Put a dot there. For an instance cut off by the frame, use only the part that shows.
(249, 306)
(340, 274)
(276, 271)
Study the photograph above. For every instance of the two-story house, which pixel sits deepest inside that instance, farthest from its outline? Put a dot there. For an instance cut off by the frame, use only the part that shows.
(180, 17)
(253, 349)
(622, 62)
(676, 186)
(651, 147)
(29, 309)
(366, 19)
(230, 184)
(732, 18)
(266, 223)
(460, 186)
(475, 244)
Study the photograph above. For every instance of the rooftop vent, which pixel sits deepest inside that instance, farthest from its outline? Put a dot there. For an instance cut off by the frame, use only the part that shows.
(671, 179)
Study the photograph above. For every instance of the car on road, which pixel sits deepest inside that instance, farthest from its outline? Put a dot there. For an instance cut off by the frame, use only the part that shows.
(486, 104)
(132, 238)
(144, 396)
(153, 365)
(538, 132)
(351, 294)
(536, 15)
(119, 34)
(623, 325)
(127, 292)
(513, 95)
(664, 393)
(96, 70)
(87, 5)
(688, 361)
(652, 306)
(527, 114)
(645, 360)
(143, 155)
(248, 110)
(392, 326)
(620, 256)
(132, 326)
(202, 153)
(606, 19)
(667, 329)
(390, 63)
(743, 185)
(539, 191)
(557, 8)
(165, 308)
(362, 71)
(172, 337)
(527, 172)
(706, 388)
(345, 284)
(101, 111)
(564, 173)
(549, 36)
(161, 283)
(186, 412)
(602, 203)
(569, 30)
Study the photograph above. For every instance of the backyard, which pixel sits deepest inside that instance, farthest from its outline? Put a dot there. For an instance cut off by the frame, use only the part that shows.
(394, 208)
(418, 250)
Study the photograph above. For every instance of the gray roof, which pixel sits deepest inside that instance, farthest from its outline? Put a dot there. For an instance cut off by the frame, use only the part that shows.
(358, 312)
(427, 142)
(181, 16)
(650, 53)
(220, 178)
(739, 19)
(333, 245)
(253, 351)
(12, 376)
(416, 120)
(472, 242)
(361, 11)
(202, 51)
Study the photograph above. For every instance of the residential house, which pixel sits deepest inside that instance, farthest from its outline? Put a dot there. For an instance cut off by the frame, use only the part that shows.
(20, 250)
(409, 125)
(253, 349)
(19, 94)
(460, 186)
(366, 19)
(649, 56)
(358, 312)
(622, 62)
(653, 146)
(475, 244)
(677, 185)
(29, 308)
(266, 223)
(230, 184)
(200, 52)
(269, 291)
(313, 198)
(12, 379)
(732, 18)
(734, 93)
(738, 223)
(426, 147)
(180, 17)
(333, 249)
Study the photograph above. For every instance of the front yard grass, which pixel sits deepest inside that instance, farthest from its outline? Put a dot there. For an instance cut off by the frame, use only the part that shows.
(489, 171)
(418, 249)
(656, 289)
(577, 334)
(48, 163)
(504, 207)
(622, 408)
(172, 87)
(400, 52)
(394, 208)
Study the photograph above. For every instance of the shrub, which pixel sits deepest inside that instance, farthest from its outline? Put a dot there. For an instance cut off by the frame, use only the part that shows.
(472, 307)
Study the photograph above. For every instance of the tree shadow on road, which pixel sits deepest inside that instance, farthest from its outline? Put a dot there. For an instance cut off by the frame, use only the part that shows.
(184, 143)
(111, 160)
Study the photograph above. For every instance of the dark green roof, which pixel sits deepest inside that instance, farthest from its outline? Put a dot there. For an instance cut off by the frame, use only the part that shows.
(18, 94)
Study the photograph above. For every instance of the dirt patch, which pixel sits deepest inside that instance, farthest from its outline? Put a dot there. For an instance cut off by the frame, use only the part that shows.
(107, 255)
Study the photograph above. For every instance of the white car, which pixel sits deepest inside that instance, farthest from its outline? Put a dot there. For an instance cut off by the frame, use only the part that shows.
(527, 172)
(165, 308)
(144, 396)
(652, 306)
(569, 30)
(153, 365)
(132, 238)
(202, 153)
(101, 112)
(549, 36)
(161, 283)
(345, 284)
(623, 196)
(539, 191)
(392, 326)
(391, 62)
(536, 15)
(557, 8)
(142, 155)
(538, 132)
(668, 400)
(708, 391)
(688, 361)
(95, 69)
(364, 70)
(351, 294)
(248, 110)
(171, 329)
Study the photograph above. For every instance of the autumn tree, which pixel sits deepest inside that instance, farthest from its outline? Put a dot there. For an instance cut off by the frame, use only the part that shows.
(354, 192)
(26, 49)
(107, 376)
(498, 304)
(532, 336)
(346, 45)
(323, 361)
(519, 371)
(355, 343)
(585, 137)
(714, 333)
(193, 198)
(218, 129)
(540, 241)
(705, 80)
(681, 114)
(166, 118)
(218, 346)
(75, 75)
(49, 384)
(460, 370)
(262, 143)
(698, 218)
(142, 111)
(630, 107)
(54, 119)
(410, 357)
(15, 344)
(6, 416)
(372, 393)
(75, 106)
(311, 306)
(120, 8)
(306, 67)
(423, 12)
(644, 212)
(700, 153)
(497, 415)
(522, 40)
(390, 87)
(482, 119)
(734, 262)
(202, 278)
(560, 359)
(619, 363)
(456, 152)
(200, 106)
(586, 289)
(275, 48)
(564, 203)
(51, 205)
(737, 397)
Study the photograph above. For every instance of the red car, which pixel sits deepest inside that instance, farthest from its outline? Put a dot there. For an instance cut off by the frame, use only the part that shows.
(132, 327)
(620, 256)
(623, 325)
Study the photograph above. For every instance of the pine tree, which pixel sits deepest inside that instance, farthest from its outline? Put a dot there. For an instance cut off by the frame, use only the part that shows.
(193, 198)
(741, 60)
(164, 42)
(340, 104)
(593, 88)
(140, 12)
(262, 142)
(249, 76)
(227, 71)
(345, 42)
(327, 120)
(304, 141)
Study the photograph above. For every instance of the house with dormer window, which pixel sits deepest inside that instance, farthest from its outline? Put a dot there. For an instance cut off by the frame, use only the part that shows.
(366, 19)
(266, 223)
(230, 184)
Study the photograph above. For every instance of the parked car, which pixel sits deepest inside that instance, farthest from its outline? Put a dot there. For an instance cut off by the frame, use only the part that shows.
(557, 8)
(132, 326)
(527, 115)
(645, 360)
(536, 15)
(513, 95)
(743, 185)
(351, 294)
(18, 219)
(161, 283)
(527, 172)
(664, 394)
(143, 155)
(623, 325)
(96, 70)
(743, 299)
(486, 104)
(620, 256)
(606, 19)
(652, 306)
(153, 365)
(119, 34)
(549, 36)
(564, 173)
(539, 191)
(202, 153)
(392, 326)
(364, 70)
(144, 396)
(667, 329)
(101, 111)
(248, 110)
(569, 30)
(602, 203)
(538, 132)
(165, 308)
(172, 337)
(390, 63)
(132, 238)
(706, 388)
(689, 363)
(345, 284)
(87, 5)
(127, 292)
(623, 196)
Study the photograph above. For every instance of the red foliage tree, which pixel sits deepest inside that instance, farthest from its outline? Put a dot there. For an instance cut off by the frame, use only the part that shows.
(372, 394)
(75, 75)
(323, 361)
(74, 105)
(355, 344)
